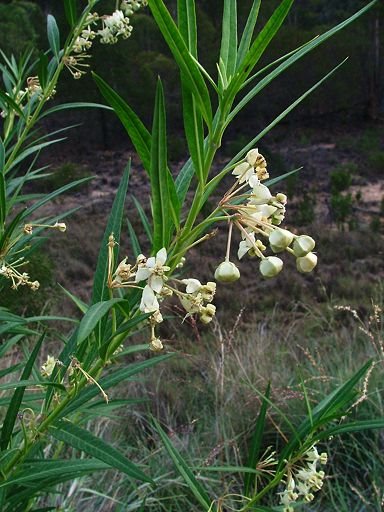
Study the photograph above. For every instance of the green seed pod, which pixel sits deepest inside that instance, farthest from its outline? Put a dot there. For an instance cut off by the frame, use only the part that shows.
(271, 266)
(227, 272)
(302, 245)
(306, 263)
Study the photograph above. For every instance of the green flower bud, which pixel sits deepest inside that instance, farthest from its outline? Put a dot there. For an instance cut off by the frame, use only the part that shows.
(227, 272)
(303, 245)
(270, 266)
(306, 263)
(280, 238)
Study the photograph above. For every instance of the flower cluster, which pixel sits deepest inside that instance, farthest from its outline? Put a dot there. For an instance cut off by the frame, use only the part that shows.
(196, 299)
(9, 271)
(258, 214)
(304, 480)
(113, 26)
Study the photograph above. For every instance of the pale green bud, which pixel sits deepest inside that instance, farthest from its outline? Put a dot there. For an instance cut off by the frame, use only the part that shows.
(306, 263)
(270, 266)
(227, 272)
(302, 245)
(280, 238)
(282, 198)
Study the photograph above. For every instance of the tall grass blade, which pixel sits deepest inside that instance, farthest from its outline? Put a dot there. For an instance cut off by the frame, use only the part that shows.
(256, 442)
(183, 469)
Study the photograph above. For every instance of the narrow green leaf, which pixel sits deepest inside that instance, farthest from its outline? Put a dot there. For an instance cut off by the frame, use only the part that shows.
(281, 116)
(31, 150)
(228, 48)
(114, 378)
(256, 443)
(139, 135)
(25, 383)
(183, 469)
(92, 317)
(14, 406)
(134, 240)
(186, 15)
(332, 406)
(3, 204)
(88, 443)
(82, 306)
(184, 179)
(14, 224)
(124, 328)
(56, 193)
(10, 104)
(353, 426)
(42, 70)
(70, 7)
(249, 28)
(53, 35)
(55, 471)
(144, 219)
(184, 59)
(159, 183)
(258, 46)
(76, 104)
(303, 50)
(100, 291)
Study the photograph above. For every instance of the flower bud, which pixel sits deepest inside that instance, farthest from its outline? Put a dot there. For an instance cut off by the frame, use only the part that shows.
(61, 226)
(282, 198)
(302, 245)
(227, 272)
(306, 263)
(280, 238)
(156, 345)
(207, 313)
(270, 266)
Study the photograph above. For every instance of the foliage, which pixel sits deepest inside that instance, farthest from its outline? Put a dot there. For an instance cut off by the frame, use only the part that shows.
(58, 401)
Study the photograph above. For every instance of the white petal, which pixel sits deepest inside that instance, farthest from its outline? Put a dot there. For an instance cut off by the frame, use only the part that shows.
(148, 300)
(142, 274)
(193, 285)
(151, 262)
(243, 249)
(161, 256)
(156, 283)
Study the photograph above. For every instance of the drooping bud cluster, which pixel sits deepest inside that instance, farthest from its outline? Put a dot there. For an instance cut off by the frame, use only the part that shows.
(9, 271)
(303, 480)
(259, 214)
(198, 299)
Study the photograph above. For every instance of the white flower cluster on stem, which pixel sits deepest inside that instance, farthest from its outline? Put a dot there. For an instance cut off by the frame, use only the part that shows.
(304, 480)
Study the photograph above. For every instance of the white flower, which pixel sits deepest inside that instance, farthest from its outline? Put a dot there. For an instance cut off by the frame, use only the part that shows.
(48, 366)
(246, 245)
(193, 285)
(153, 270)
(243, 172)
(260, 194)
(149, 302)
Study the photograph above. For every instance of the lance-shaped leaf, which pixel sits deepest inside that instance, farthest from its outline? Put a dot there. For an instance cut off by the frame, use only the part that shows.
(193, 120)
(100, 291)
(249, 28)
(187, 65)
(53, 35)
(258, 47)
(160, 193)
(17, 397)
(228, 48)
(88, 443)
(92, 317)
(70, 7)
